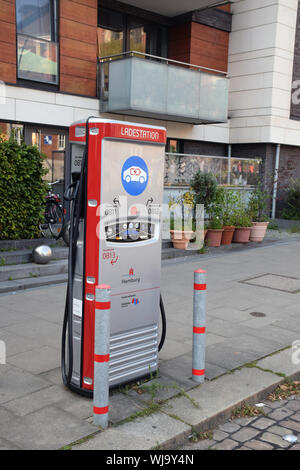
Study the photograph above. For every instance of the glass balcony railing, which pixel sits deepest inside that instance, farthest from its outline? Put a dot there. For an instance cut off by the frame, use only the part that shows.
(37, 59)
(139, 84)
(241, 172)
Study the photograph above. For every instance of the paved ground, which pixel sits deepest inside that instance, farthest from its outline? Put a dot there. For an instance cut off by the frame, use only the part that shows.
(265, 432)
(250, 316)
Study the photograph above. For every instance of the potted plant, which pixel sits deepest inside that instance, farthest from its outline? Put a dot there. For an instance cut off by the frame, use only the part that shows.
(242, 222)
(181, 222)
(228, 230)
(257, 208)
(226, 200)
(215, 230)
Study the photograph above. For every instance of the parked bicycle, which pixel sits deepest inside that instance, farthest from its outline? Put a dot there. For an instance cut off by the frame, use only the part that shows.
(55, 225)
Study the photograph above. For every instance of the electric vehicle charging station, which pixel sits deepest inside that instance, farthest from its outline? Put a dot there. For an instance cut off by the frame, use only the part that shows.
(115, 238)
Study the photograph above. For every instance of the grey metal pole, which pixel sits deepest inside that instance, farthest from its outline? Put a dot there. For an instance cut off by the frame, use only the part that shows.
(101, 356)
(229, 164)
(199, 326)
(275, 181)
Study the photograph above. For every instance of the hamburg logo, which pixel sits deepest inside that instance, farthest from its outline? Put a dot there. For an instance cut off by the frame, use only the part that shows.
(135, 176)
(130, 277)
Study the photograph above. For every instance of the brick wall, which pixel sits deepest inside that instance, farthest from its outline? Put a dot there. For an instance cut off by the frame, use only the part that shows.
(205, 148)
(7, 41)
(289, 168)
(201, 40)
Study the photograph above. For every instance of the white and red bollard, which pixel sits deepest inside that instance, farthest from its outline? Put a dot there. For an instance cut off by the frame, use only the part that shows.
(101, 356)
(199, 326)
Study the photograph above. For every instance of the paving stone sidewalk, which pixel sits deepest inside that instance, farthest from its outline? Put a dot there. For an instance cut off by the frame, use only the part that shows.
(249, 317)
(263, 432)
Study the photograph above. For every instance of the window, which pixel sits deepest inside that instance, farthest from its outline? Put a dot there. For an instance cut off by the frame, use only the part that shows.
(8, 130)
(174, 146)
(118, 32)
(111, 33)
(61, 142)
(37, 40)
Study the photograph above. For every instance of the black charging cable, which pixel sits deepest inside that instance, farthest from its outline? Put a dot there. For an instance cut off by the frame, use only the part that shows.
(76, 199)
(163, 323)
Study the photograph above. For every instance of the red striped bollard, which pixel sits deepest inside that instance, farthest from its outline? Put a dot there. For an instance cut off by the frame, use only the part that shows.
(101, 356)
(199, 322)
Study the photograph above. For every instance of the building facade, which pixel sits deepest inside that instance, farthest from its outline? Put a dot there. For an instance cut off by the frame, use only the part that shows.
(65, 60)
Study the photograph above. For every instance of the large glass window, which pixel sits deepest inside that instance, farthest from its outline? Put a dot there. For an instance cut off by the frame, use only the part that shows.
(118, 32)
(110, 33)
(37, 40)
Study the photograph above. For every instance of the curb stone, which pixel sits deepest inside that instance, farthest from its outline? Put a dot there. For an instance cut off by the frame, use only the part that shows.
(172, 424)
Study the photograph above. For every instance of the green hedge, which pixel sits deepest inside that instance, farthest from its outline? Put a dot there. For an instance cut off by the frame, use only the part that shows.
(22, 190)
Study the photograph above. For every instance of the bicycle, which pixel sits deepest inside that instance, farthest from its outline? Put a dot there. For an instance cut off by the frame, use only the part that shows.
(54, 214)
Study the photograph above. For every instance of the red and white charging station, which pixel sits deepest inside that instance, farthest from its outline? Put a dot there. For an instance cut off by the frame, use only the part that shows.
(117, 186)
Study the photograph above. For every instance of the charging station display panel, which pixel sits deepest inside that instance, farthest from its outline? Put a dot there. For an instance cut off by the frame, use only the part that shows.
(130, 245)
(131, 198)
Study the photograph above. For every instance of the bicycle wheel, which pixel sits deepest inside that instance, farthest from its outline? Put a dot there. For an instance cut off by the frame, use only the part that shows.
(55, 218)
(66, 233)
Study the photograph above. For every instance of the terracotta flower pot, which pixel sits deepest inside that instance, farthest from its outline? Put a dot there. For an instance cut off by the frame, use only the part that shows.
(214, 237)
(258, 231)
(241, 235)
(227, 235)
(181, 238)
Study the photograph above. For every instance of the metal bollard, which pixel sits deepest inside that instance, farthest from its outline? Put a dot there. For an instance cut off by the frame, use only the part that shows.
(101, 356)
(199, 322)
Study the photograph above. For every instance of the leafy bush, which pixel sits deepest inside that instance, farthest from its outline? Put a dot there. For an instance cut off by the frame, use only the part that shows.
(258, 204)
(22, 190)
(225, 205)
(273, 225)
(215, 223)
(240, 216)
(241, 219)
(204, 186)
(292, 212)
(186, 202)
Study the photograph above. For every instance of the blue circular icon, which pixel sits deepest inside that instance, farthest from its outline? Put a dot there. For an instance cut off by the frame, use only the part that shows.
(135, 176)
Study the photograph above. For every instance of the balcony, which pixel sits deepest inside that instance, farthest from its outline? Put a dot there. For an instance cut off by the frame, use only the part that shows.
(173, 8)
(138, 84)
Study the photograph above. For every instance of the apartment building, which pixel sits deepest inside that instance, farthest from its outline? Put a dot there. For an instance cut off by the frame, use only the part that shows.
(222, 77)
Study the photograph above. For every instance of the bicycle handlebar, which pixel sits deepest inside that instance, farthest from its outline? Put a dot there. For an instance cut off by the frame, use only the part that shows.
(53, 183)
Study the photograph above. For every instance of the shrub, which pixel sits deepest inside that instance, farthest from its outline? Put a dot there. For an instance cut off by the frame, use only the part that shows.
(225, 204)
(258, 204)
(240, 216)
(215, 223)
(186, 202)
(204, 186)
(22, 190)
(292, 211)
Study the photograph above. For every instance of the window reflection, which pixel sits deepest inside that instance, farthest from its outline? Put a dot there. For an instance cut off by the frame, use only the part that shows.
(37, 60)
(138, 39)
(37, 48)
(34, 18)
(119, 33)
